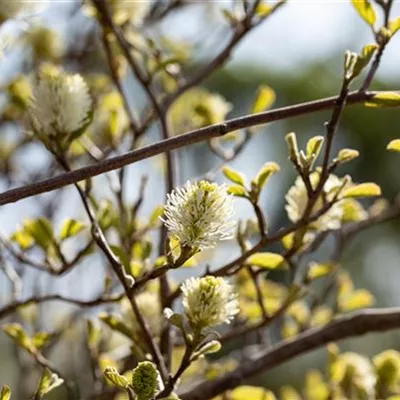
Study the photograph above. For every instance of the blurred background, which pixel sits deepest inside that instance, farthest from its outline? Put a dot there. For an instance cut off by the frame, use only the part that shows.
(299, 53)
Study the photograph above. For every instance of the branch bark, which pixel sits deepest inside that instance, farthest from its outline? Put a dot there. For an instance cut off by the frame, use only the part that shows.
(176, 142)
(354, 324)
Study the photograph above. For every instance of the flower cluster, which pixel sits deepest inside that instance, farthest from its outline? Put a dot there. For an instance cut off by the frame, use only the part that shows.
(297, 199)
(199, 214)
(60, 106)
(208, 302)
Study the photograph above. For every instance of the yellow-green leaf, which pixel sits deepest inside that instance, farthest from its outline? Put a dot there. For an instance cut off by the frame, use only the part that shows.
(363, 59)
(251, 392)
(367, 189)
(264, 100)
(353, 211)
(314, 146)
(385, 99)
(48, 382)
(237, 190)
(289, 393)
(394, 26)
(5, 393)
(263, 10)
(316, 270)
(23, 238)
(17, 333)
(234, 176)
(316, 388)
(394, 145)
(214, 346)
(346, 155)
(71, 227)
(269, 169)
(41, 230)
(116, 324)
(114, 377)
(267, 260)
(93, 333)
(366, 11)
(357, 299)
(40, 339)
(155, 215)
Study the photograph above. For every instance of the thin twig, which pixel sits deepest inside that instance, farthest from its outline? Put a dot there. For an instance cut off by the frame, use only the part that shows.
(14, 306)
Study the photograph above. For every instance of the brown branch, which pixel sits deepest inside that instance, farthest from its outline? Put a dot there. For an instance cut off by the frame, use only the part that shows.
(13, 307)
(176, 142)
(354, 324)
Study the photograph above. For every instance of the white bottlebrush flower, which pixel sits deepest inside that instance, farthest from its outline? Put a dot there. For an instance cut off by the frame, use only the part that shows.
(149, 306)
(199, 214)
(297, 199)
(60, 105)
(209, 301)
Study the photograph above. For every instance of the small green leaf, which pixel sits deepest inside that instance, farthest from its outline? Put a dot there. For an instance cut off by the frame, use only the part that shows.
(122, 256)
(263, 10)
(155, 215)
(115, 378)
(5, 393)
(251, 392)
(385, 99)
(314, 146)
(316, 270)
(48, 382)
(364, 58)
(234, 176)
(367, 189)
(174, 318)
(141, 250)
(267, 260)
(23, 238)
(41, 230)
(211, 347)
(394, 26)
(293, 148)
(264, 100)
(269, 169)
(71, 227)
(357, 299)
(17, 333)
(346, 155)
(93, 333)
(366, 10)
(40, 339)
(237, 190)
(116, 324)
(394, 145)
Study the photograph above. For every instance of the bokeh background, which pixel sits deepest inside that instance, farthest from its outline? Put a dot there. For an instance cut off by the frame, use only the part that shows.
(299, 53)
